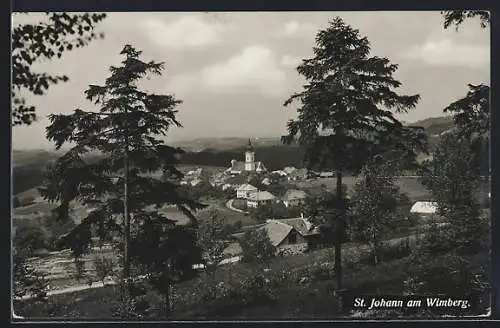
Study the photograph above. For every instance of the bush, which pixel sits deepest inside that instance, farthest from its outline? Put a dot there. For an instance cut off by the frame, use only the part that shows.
(257, 246)
(29, 239)
(451, 276)
(104, 268)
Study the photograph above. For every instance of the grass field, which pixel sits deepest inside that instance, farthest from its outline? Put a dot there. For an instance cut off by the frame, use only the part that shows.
(410, 185)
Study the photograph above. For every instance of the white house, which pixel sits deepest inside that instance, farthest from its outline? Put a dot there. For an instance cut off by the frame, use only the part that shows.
(245, 190)
(260, 198)
(425, 208)
(294, 197)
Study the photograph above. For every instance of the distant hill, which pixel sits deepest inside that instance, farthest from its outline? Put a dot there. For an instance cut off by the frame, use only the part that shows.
(227, 143)
(435, 125)
(30, 164)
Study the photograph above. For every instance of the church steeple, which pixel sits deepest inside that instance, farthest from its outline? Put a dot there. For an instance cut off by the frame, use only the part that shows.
(249, 146)
(249, 157)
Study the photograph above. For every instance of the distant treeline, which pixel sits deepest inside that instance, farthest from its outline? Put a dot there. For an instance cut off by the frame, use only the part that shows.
(273, 157)
(27, 176)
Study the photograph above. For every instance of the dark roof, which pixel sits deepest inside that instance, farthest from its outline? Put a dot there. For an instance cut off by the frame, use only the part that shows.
(249, 146)
(302, 225)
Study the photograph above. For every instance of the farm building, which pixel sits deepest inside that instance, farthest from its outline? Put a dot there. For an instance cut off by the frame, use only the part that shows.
(424, 210)
(288, 235)
(260, 198)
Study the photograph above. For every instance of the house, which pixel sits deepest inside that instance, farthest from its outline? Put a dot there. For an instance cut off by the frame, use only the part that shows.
(249, 165)
(289, 170)
(280, 173)
(289, 236)
(294, 197)
(260, 198)
(298, 174)
(245, 190)
(326, 174)
(424, 209)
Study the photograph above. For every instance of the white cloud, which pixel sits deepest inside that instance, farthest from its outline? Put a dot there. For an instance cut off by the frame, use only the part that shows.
(185, 32)
(256, 68)
(296, 29)
(445, 52)
(290, 61)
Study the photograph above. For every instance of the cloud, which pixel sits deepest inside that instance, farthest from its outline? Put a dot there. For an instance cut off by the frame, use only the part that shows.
(296, 29)
(290, 61)
(185, 32)
(445, 52)
(255, 68)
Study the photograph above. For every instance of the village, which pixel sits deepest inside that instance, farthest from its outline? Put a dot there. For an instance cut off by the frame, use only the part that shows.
(248, 166)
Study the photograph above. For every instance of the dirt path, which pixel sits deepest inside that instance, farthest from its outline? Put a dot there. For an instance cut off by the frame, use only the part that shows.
(229, 204)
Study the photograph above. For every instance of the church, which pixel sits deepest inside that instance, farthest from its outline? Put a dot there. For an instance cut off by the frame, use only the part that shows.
(249, 165)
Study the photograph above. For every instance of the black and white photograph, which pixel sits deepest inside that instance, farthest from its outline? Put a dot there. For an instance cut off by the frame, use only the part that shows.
(250, 166)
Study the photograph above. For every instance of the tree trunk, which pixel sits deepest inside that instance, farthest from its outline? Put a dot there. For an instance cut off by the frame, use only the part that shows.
(338, 242)
(375, 247)
(126, 230)
(166, 301)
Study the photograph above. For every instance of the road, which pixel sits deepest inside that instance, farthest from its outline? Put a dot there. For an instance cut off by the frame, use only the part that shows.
(229, 204)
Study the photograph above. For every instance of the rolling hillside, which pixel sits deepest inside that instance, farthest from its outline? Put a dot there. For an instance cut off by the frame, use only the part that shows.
(29, 165)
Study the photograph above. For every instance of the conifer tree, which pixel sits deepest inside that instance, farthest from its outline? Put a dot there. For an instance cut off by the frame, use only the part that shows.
(119, 187)
(346, 113)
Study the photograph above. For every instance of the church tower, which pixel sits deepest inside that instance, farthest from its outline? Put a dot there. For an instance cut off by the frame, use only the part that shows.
(249, 158)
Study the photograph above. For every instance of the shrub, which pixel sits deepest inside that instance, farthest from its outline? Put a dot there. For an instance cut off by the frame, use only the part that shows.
(451, 276)
(104, 267)
(257, 246)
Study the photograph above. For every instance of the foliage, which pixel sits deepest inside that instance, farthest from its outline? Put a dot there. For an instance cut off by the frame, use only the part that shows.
(273, 211)
(104, 267)
(60, 32)
(472, 113)
(29, 239)
(257, 246)
(452, 276)
(27, 280)
(457, 17)
(211, 238)
(346, 113)
(377, 196)
(124, 131)
(453, 176)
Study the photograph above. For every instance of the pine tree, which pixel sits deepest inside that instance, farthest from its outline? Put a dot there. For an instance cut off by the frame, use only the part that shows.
(346, 113)
(118, 186)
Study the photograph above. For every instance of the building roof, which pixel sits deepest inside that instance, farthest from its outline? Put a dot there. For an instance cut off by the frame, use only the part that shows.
(261, 195)
(424, 207)
(246, 187)
(302, 225)
(260, 167)
(293, 194)
(249, 146)
(277, 231)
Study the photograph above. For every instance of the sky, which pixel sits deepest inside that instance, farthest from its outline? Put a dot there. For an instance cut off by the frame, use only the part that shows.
(234, 71)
